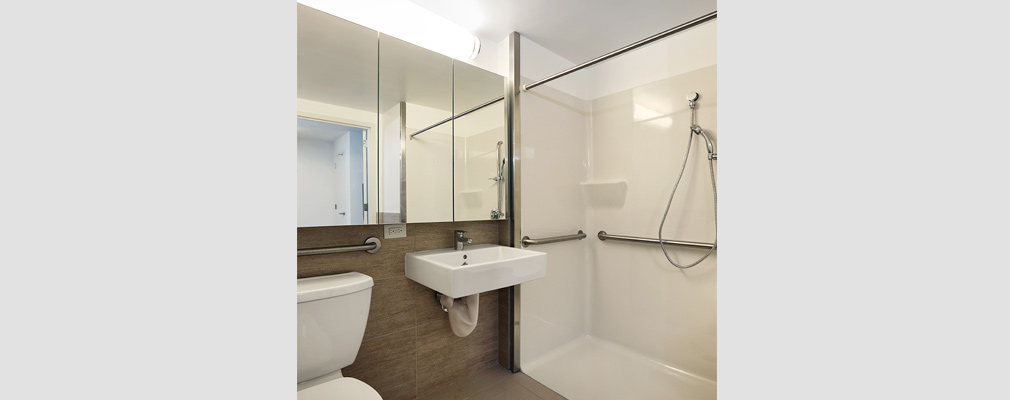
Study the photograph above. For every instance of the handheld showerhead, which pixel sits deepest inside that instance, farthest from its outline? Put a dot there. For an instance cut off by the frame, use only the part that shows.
(708, 141)
(692, 97)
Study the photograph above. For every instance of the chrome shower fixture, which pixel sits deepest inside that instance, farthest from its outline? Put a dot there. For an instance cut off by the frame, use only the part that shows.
(708, 141)
(499, 212)
(696, 130)
(691, 99)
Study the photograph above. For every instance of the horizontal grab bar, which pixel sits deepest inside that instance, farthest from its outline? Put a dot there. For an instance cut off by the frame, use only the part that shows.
(371, 245)
(603, 235)
(532, 242)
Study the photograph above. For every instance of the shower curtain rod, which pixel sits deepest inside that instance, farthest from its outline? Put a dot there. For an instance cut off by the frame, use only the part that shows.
(457, 116)
(677, 29)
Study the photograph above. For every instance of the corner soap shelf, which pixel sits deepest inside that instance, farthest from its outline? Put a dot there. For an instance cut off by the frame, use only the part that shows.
(471, 198)
(605, 193)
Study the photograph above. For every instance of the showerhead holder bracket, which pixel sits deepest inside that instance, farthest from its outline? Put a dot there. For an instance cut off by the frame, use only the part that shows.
(692, 98)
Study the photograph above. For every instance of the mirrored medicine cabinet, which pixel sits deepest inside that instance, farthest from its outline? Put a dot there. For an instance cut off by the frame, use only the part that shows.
(389, 132)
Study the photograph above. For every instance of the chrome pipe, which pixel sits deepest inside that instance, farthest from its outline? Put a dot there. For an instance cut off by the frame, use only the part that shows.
(457, 116)
(677, 29)
(603, 235)
(371, 245)
(533, 242)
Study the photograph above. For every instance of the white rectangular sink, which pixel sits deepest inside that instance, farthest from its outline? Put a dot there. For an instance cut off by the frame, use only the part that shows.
(475, 269)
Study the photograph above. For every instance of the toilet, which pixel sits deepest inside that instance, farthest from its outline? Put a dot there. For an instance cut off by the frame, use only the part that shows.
(332, 312)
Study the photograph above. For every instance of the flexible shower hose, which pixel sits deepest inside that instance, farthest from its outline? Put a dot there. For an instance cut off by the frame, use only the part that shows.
(715, 202)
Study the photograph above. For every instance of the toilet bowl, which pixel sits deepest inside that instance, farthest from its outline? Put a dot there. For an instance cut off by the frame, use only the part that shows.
(332, 312)
(339, 389)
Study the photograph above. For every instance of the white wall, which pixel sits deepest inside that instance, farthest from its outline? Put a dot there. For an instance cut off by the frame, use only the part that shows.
(625, 120)
(554, 162)
(638, 299)
(429, 166)
(389, 164)
(315, 201)
(476, 160)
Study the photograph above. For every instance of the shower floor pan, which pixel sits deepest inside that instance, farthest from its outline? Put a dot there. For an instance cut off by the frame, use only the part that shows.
(590, 368)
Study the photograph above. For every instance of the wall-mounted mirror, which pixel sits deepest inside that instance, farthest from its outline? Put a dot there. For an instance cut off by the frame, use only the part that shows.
(415, 101)
(377, 137)
(480, 180)
(337, 121)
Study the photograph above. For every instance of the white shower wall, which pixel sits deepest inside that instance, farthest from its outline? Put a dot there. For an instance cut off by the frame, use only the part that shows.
(637, 298)
(625, 120)
(554, 162)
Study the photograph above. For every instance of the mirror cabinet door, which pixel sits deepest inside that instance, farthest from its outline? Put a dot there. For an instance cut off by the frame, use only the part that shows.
(377, 142)
(480, 180)
(337, 122)
(415, 111)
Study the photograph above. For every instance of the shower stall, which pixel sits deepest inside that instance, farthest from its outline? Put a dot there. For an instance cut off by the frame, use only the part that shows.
(599, 150)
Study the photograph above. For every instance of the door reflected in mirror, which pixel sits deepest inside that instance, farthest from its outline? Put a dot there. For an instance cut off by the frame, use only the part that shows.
(332, 174)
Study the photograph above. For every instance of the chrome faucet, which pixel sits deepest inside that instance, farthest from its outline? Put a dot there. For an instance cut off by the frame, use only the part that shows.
(460, 240)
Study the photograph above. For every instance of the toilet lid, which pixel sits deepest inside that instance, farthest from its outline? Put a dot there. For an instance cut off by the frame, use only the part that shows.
(338, 389)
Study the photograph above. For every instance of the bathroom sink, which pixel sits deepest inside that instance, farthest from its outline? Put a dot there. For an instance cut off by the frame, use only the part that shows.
(475, 269)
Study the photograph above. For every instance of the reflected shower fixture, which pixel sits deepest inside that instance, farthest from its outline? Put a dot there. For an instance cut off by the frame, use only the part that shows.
(498, 212)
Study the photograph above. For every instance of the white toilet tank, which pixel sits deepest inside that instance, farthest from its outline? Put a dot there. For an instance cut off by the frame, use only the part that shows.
(332, 312)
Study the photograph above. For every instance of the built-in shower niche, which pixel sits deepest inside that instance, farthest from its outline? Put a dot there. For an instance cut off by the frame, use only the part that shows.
(604, 193)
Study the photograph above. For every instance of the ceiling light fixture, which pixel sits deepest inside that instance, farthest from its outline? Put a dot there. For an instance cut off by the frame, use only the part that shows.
(407, 21)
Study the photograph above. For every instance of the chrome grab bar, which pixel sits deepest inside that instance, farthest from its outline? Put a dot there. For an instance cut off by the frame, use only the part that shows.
(532, 242)
(603, 235)
(371, 245)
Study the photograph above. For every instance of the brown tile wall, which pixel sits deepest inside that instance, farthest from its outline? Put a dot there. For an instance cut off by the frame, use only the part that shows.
(408, 349)
(504, 323)
(503, 327)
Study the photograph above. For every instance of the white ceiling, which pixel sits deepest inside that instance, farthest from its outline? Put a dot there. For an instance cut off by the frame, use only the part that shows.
(578, 30)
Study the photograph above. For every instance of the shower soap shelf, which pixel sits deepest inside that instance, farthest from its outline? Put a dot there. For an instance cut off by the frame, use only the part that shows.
(605, 193)
(471, 198)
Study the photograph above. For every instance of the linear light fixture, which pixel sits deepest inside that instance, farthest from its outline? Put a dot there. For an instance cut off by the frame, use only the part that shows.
(407, 21)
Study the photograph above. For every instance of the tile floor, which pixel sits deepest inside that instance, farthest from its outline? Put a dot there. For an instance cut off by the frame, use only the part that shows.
(494, 383)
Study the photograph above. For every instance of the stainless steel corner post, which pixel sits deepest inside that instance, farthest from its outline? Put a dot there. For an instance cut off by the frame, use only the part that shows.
(403, 162)
(512, 89)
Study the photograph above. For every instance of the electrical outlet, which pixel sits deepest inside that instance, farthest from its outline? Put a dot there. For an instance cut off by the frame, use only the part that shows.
(394, 231)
